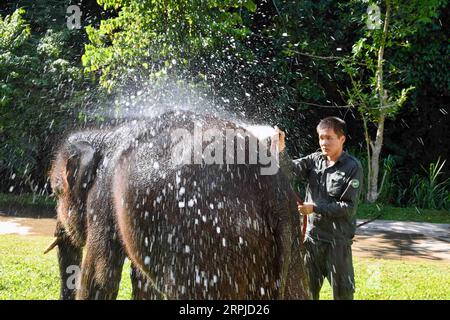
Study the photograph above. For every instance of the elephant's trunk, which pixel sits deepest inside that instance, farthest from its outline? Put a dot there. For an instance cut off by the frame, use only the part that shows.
(299, 201)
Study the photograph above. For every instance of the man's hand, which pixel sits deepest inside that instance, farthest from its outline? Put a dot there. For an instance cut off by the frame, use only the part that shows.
(306, 208)
(280, 137)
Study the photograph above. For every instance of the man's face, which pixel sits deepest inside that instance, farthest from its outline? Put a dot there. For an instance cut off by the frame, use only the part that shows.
(330, 144)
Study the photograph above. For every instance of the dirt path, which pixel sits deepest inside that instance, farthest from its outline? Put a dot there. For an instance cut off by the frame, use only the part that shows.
(387, 240)
(402, 247)
(403, 240)
(27, 226)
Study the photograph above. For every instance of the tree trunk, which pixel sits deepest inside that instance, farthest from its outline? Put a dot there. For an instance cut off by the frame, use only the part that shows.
(372, 191)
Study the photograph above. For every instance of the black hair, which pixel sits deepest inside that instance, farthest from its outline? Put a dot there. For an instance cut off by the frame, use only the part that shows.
(337, 124)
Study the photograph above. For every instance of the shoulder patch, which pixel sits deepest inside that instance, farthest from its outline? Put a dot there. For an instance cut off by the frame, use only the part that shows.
(354, 183)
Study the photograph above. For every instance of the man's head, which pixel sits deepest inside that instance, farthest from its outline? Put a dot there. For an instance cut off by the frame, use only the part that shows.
(331, 131)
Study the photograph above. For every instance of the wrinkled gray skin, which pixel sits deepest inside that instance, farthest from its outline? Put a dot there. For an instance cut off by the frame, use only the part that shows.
(81, 178)
(237, 236)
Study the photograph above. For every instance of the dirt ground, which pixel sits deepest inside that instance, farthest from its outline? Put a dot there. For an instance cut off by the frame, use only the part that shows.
(388, 245)
(401, 246)
(27, 226)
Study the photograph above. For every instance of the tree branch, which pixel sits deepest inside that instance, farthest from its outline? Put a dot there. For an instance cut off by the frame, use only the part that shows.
(325, 106)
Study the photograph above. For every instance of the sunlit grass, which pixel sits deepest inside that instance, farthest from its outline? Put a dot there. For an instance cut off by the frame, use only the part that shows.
(26, 273)
(382, 279)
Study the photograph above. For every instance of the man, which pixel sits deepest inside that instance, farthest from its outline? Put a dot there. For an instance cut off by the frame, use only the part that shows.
(334, 183)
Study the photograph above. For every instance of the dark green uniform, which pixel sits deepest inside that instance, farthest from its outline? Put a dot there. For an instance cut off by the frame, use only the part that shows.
(335, 191)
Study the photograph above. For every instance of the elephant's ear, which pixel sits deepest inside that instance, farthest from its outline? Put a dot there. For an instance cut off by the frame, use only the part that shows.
(81, 167)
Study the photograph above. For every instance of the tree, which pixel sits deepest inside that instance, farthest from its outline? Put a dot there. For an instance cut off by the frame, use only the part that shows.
(150, 39)
(376, 88)
(38, 84)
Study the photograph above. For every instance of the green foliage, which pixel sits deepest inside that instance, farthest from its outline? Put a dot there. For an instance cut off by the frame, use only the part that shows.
(15, 35)
(430, 191)
(406, 19)
(38, 79)
(308, 37)
(387, 193)
(28, 200)
(267, 59)
(149, 39)
(424, 192)
(376, 89)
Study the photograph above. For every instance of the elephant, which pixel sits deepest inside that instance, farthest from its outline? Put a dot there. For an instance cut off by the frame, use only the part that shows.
(80, 179)
(191, 230)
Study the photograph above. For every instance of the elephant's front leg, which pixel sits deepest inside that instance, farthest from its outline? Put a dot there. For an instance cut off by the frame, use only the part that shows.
(287, 225)
(69, 259)
(102, 268)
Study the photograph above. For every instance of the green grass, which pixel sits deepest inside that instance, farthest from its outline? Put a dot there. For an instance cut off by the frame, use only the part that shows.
(382, 279)
(25, 273)
(367, 211)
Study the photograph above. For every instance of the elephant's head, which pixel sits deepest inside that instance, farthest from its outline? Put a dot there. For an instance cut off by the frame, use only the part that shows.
(71, 177)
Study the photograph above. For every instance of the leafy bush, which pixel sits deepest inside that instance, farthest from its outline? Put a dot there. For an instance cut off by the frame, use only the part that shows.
(425, 192)
(430, 192)
(40, 77)
(388, 187)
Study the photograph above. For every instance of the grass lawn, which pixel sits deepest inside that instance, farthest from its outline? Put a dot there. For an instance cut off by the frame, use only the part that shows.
(368, 211)
(25, 273)
(382, 279)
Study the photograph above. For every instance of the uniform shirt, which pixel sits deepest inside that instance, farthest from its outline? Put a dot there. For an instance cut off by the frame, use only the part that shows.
(335, 191)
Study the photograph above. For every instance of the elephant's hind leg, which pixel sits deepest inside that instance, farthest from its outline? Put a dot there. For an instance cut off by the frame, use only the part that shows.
(143, 288)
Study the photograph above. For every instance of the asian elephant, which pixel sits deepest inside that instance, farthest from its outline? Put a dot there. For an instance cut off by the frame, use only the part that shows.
(81, 180)
(193, 230)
